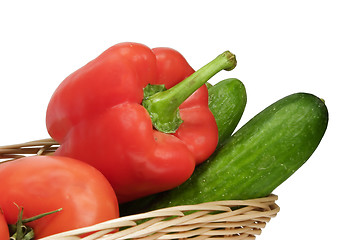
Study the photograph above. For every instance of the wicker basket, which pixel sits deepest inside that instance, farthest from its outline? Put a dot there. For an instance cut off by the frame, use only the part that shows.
(233, 219)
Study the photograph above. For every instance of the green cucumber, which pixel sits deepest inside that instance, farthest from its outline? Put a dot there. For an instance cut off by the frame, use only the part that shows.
(227, 101)
(261, 155)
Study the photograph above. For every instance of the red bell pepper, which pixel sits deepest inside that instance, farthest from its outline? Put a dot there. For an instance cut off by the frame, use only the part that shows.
(115, 114)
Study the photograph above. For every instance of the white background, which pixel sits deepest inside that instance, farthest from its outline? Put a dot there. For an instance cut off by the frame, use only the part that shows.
(282, 47)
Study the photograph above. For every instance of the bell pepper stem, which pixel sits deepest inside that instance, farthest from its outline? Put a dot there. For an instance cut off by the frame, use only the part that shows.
(163, 107)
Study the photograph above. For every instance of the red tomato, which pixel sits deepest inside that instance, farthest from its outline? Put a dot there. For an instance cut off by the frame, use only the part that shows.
(42, 184)
(4, 232)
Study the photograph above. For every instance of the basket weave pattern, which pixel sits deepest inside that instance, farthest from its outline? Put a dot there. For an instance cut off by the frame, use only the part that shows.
(233, 219)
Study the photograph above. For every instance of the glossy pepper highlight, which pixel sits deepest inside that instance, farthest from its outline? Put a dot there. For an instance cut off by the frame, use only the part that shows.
(130, 113)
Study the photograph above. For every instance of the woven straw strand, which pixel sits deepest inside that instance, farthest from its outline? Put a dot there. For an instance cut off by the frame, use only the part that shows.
(39, 147)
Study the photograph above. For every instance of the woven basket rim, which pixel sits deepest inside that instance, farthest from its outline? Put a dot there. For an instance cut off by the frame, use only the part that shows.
(207, 220)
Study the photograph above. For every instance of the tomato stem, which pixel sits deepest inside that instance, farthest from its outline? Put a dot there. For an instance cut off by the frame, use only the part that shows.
(40, 216)
(163, 106)
(19, 231)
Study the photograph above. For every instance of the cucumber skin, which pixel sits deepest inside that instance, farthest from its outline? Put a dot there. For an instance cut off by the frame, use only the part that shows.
(261, 155)
(227, 101)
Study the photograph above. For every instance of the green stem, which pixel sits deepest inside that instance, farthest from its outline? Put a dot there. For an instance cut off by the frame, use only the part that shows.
(19, 231)
(163, 107)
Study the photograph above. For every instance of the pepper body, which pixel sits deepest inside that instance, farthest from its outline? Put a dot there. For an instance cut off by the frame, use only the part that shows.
(97, 117)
